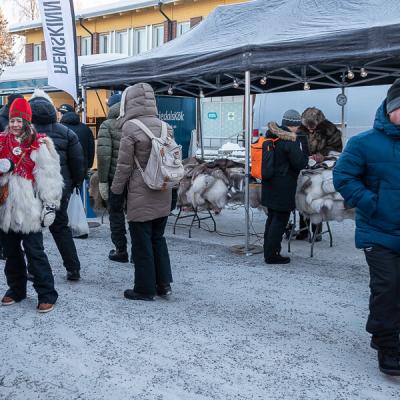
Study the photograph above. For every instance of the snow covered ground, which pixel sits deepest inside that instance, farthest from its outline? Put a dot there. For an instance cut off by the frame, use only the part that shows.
(235, 328)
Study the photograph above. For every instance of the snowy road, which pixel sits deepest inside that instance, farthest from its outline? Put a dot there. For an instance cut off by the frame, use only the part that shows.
(235, 328)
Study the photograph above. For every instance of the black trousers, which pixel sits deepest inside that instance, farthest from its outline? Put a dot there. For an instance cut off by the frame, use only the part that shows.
(62, 235)
(117, 220)
(150, 255)
(384, 304)
(38, 265)
(274, 230)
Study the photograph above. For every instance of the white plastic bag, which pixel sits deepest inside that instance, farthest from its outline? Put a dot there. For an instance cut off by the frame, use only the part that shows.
(76, 215)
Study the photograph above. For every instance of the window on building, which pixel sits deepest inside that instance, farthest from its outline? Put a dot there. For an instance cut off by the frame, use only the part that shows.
(37, 52)
(104, 43)
(121, 42)
(158, 35)
(182, 28)
(140, 41)
(86, 46)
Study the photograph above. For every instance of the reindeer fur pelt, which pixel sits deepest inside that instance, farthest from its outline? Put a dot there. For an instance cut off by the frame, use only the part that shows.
(210, 185)
(316, 197)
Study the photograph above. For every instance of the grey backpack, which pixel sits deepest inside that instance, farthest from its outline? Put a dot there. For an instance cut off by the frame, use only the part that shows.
(164, 169)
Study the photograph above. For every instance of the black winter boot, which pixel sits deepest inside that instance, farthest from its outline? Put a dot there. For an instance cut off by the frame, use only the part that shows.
(73, 275)
(132, 295)
(119, 256)
(164, 290)
(277, 259)
(389, 361)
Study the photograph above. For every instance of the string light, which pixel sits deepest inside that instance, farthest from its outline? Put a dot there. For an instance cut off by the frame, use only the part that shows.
(306, 86)
(363, 73)
(350, 74)
(235, 84)
(170, 90)
(201, 93)
(263, 80)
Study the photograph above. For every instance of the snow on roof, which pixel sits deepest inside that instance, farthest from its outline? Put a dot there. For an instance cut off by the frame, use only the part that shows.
(107, 9)
(38, 69)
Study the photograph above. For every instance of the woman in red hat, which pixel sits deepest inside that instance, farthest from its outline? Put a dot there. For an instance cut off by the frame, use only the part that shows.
(30, 192)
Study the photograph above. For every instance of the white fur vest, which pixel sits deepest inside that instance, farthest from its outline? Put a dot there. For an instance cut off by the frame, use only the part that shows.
(22, 210)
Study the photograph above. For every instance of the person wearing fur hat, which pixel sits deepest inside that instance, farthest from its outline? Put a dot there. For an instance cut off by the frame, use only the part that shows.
(67, 145)
(30, 192)
(108, 141)
(147, 209)
(323, 137)
(367, 175)
(278, 192)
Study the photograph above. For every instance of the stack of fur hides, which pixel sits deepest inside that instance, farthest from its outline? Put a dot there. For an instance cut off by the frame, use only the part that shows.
(316, 197)
(210, 185)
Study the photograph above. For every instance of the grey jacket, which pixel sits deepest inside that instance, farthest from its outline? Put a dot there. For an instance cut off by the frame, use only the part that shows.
(108, 145)
(143, 204)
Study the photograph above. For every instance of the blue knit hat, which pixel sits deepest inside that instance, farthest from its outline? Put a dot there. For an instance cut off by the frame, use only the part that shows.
(114, 99)
(291, 118)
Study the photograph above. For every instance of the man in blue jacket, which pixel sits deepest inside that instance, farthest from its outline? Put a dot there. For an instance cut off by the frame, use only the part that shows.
(367, 175)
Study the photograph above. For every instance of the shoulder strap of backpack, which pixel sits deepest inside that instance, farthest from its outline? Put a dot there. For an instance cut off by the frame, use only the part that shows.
(148, 132)
(143, 127)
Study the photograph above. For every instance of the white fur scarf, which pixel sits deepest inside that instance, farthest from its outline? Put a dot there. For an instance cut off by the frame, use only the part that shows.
(22, 210)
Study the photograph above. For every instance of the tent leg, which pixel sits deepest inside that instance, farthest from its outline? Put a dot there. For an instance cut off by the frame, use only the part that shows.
(84, 115)
(343, 116)
(198, 126)
(248, 124)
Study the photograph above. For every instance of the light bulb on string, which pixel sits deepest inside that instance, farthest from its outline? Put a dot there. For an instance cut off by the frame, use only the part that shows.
(170, 90)
(201, 93)
(363, 73)
(263, 80)
(235, 84)
(350, 74)
(306, 86)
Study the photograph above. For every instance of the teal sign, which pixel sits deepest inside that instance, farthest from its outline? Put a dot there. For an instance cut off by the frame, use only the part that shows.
(212, 115)
(180, 113)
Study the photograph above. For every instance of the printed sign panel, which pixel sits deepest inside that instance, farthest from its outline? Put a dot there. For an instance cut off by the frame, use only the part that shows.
(180, 113)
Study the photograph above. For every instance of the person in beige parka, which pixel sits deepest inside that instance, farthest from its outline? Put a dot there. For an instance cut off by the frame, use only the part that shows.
(147, 209)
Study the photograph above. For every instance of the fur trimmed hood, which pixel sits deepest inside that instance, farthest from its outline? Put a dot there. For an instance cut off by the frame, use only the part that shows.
(281, 133)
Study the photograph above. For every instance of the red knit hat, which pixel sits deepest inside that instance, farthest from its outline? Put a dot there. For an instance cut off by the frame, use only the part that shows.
(22, 109)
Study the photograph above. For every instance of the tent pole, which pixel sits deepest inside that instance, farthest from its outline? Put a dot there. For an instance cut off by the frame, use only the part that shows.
(84, 120)
(248, 122)
(343, 115)
(198, 126)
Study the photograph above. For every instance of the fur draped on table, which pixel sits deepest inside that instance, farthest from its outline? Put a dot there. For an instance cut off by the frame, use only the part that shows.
(316, 197)
(210, 185)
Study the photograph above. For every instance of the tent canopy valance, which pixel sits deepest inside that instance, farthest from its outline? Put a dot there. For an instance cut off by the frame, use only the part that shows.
(290, 42)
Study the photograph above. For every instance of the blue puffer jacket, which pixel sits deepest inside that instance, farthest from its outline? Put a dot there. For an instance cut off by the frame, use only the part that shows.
(367, 175)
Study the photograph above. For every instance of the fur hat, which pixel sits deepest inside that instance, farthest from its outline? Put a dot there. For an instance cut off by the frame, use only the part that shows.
(393, 97)
(20, 108)
(291, 118)
(312, 117)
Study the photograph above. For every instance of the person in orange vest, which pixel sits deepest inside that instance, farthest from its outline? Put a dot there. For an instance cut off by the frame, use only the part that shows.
(290, 156)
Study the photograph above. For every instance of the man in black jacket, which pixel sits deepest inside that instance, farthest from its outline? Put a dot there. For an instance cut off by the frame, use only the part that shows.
(66, 142)
(72, 121)
(278, 192)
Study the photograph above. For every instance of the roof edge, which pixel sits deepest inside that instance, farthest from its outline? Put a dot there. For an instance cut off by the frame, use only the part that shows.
(93, 12)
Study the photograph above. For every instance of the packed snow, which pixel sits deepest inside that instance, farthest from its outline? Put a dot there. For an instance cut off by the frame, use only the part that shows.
(235, 328)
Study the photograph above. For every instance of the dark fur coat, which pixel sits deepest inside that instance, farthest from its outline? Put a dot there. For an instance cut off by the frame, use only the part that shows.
(324, 139)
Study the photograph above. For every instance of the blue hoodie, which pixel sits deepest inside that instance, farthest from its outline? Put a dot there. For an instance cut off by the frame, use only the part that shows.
(367, 175)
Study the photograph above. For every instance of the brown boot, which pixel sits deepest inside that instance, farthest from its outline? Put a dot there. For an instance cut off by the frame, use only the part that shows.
(45, 307)
(7, 301)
